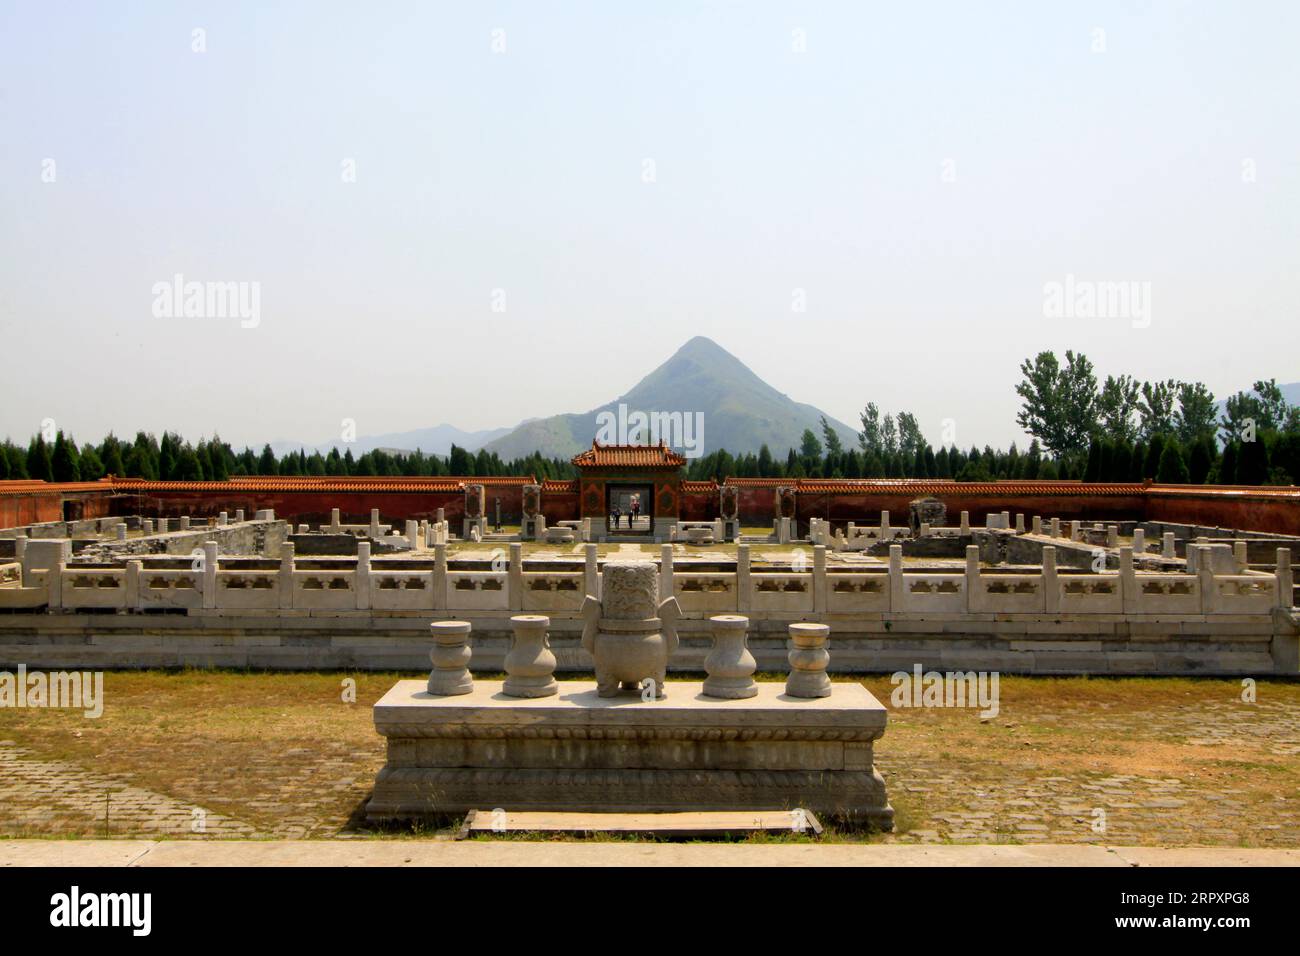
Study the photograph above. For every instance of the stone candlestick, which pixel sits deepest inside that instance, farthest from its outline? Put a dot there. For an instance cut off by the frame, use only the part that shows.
(808, 659)
(730, 665)
(450, 657)
(530, 664)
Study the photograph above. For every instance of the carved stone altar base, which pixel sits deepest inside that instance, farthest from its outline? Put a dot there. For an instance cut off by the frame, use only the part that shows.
(579, 751)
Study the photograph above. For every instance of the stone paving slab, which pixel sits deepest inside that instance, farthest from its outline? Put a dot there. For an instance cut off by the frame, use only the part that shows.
(281, 853)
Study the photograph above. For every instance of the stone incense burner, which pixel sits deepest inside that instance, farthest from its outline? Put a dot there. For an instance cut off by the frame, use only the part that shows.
(630, 634)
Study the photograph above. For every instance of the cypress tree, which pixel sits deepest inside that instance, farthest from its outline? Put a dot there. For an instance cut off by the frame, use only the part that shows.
(1172, 470)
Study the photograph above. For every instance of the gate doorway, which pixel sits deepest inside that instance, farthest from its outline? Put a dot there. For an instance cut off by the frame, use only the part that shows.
(629, 508)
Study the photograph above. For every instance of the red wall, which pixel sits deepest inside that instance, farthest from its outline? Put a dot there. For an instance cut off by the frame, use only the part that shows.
(1258, 509)
(1252, 512)
(560, 506)
(313, 507)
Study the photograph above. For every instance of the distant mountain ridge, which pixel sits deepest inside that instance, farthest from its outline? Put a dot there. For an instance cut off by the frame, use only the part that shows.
(740, 412)
(432, 441)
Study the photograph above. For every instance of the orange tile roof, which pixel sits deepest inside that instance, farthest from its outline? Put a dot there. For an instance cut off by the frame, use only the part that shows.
(996, 489)
(1229, 491)
(288, 484)
(373, 479)
(559, 485)
(29, 486)
(700, 487)
(628, 456)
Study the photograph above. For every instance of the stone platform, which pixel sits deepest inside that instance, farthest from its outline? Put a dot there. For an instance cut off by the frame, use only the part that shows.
(577, 751)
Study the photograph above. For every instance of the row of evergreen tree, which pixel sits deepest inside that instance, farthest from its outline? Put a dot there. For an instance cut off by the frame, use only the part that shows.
(1124, 430)
(173, 459)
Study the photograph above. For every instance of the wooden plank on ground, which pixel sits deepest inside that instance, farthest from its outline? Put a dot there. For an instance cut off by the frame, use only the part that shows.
(690, 824)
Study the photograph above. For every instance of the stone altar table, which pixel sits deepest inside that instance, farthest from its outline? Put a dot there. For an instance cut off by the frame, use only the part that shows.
(577, 751)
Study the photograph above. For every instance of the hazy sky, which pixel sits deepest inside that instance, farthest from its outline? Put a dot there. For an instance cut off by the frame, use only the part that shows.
(919, 171)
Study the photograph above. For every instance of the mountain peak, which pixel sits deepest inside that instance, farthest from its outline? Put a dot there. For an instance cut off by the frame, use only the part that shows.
(703, 350)
(703, 381)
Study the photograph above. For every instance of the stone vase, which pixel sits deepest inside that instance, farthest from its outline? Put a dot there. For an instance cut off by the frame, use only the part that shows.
(630, 634)
(730, 666)
(530, 663)
(808, 659)
(450, 656)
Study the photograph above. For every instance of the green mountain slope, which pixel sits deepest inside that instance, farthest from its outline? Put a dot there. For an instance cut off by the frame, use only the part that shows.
(741, 411)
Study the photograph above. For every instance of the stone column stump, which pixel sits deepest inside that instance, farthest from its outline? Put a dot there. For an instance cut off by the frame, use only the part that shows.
(730, 665)
(530, 663)
(808, 659)
(450, 657)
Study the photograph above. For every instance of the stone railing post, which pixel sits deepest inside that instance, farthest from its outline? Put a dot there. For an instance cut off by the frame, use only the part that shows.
(440, 595)
(413, 534)
(591, 571)
(55, 577)
(1205, 578)
(515, 584)
(286, 574)
(729, 665)
(362, 578)
(1020, 523)
(964, 528)
(1037, 524)
(808, 658)
(1128, 581)
(1054, 527)
(1051, 583)
(974, 596)
(744, 583)
(819, 579)
(334, 520)
(1139, 541)
(374, 522)
(133, 585)
(530, 663)
(1285, 579)
(666, 588)
(210, 574)
(896, 590)
(450, 657)
(1167, 549)
(1240, 556)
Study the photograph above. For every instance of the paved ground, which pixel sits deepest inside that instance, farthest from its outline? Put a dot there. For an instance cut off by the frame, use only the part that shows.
(47, 794)
(282, 757)
(517, 853)
(1186, 802)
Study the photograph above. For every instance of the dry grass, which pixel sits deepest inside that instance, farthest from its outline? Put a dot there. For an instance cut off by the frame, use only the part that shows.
(1172, 760)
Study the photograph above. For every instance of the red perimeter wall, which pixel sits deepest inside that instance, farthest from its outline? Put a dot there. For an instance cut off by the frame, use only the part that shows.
(1258, 509)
